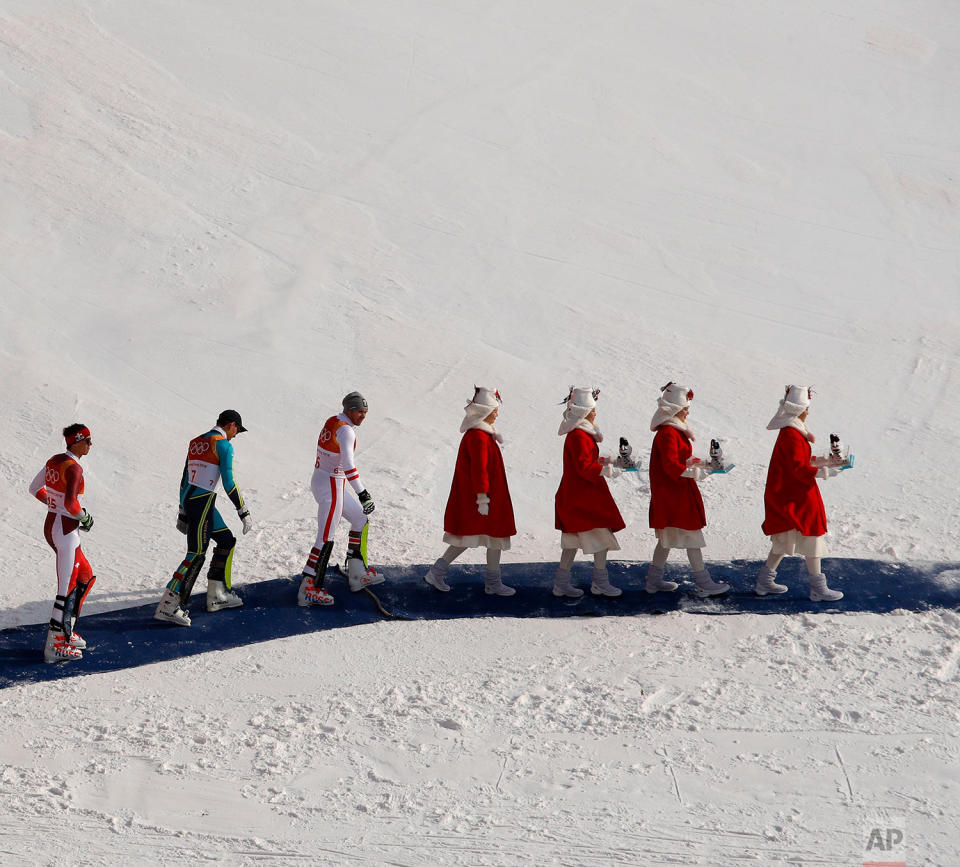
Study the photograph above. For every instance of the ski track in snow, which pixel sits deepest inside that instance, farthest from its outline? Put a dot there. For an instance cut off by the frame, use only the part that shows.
(590, 742)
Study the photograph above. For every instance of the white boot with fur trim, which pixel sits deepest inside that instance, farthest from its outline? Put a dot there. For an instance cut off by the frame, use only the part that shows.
(437, 574)
(601, 585)
(819, 592)
(563, 585)
(706, 586)
(656, 582)
(766, 585)
(493, 586)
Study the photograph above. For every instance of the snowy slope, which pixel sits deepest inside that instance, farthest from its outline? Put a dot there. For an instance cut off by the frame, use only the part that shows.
(265, 206)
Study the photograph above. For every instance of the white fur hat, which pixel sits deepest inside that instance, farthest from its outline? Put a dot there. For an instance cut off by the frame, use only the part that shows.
(796, 399)
(673, 398)
(484, 402)
(579, 404)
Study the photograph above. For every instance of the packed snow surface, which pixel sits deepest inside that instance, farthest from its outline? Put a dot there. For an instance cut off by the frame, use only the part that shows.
(266, 205)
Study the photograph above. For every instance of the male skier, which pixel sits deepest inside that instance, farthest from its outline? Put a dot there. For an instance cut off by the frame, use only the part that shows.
(209, 459)
(59, 486)
(335, 465)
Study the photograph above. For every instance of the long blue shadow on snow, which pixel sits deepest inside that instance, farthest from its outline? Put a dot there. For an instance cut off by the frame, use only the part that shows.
(130, 637)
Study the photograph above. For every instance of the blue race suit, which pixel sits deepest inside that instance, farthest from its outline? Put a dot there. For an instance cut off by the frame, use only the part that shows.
(209, 461)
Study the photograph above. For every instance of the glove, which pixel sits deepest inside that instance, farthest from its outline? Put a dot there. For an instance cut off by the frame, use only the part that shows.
(366, 501)
(86, 522)
(483, 504)
(244, 515)
(610, 470)
(182, 525)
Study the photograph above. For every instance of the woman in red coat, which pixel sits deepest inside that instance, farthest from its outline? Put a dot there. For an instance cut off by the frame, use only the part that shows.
(676, 507)
(479, 511)
(794, 517)
(586, 515)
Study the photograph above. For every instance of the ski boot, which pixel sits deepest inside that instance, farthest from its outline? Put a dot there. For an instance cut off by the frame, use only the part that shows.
(58, 647)
(359, 576)
(169, 609)
(218, 597)
(310, 594)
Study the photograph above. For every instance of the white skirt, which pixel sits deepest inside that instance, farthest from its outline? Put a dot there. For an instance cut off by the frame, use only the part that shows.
(497, 542)
(591, 541)
(793, 542)
(674, 537)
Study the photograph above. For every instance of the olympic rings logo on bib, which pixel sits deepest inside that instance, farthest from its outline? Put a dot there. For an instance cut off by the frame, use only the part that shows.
(325, 436)
(51, 476)
(199, 448)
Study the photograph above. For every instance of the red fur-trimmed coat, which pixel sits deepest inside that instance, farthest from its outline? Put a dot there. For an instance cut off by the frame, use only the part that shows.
(583, 501)
(675, 501)
(479, 470)
(792, 498)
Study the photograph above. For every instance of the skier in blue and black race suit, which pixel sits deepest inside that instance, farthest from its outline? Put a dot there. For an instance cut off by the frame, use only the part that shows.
(209, 460)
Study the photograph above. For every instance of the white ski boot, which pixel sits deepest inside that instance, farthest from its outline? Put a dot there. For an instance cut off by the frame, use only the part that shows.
(656, 583)
(436, 576)
(58, 648)
(493, 586)
(310, 594)
(706, 586)
(359, 576)
(601, 585)
(218, 597)
(819, 592)
(766, 585)
(563, 586)
(169, 609)
(76, 640)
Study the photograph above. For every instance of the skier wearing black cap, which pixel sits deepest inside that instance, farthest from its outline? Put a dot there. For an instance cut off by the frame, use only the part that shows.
(209, 460)
(334, 467)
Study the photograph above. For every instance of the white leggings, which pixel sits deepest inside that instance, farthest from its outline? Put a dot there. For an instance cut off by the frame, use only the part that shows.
(813, 563)
(694, 555)
(493, 556)
(568, 555)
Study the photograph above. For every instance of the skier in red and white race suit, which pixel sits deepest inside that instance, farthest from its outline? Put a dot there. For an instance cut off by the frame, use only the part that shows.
(677, 515)
(586, 514)
(59, 486)
(334, 467)
(794, 516)
(479, 511)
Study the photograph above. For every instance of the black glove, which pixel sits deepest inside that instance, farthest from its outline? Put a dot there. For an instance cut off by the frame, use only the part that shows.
(366, 501)
(86, 522)
(182, 524)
